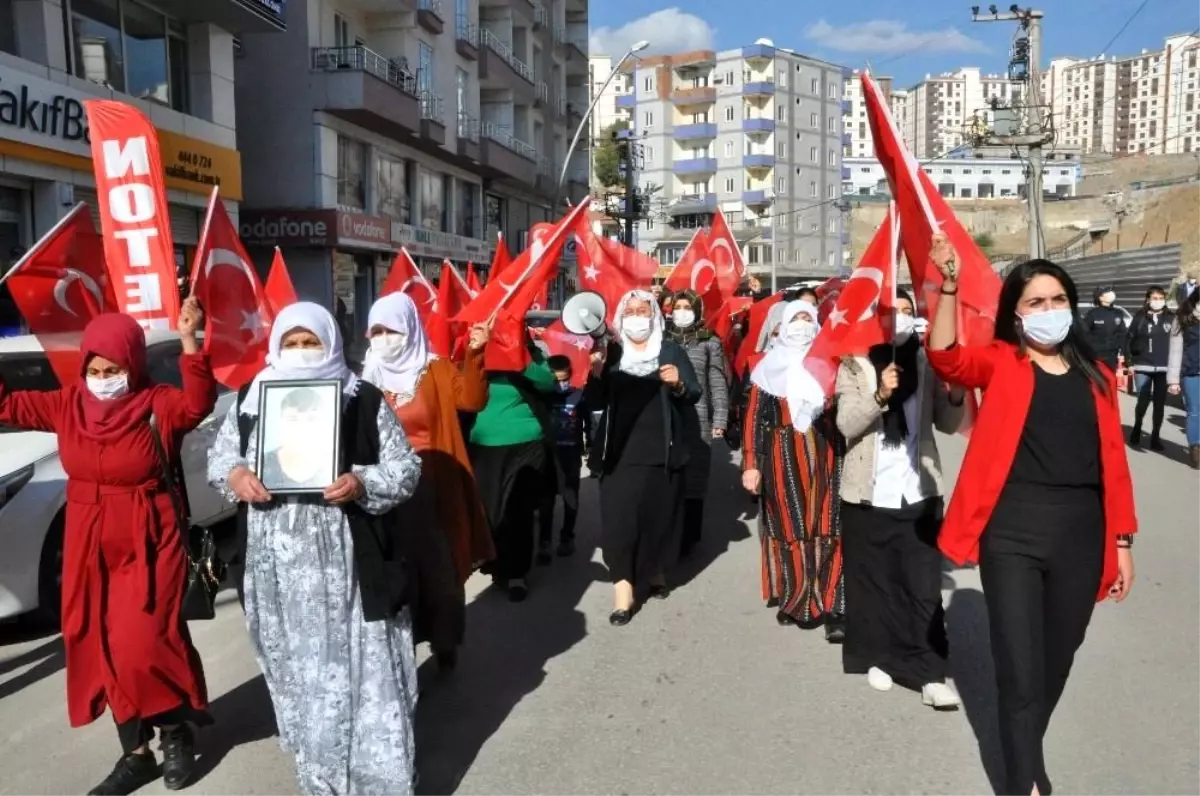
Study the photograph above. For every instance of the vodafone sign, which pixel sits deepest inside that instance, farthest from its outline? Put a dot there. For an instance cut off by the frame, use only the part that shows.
(316, 228)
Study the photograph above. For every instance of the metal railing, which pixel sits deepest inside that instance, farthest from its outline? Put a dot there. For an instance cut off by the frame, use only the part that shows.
(363, 59)
(506, 139)
(432, 6)
(540, 15)
(432, 107)
(578, 42)
(466, 30)
(468, 126)
(543, 91)
(505, 51)
(560, 35)
(544, 166)
(560, 105)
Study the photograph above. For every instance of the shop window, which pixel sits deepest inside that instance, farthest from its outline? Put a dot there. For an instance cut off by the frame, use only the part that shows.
(96, 47)
(467, 224)
(146, 53)
(493, 215)
(433, 201)
(391, 189)
(351, 173)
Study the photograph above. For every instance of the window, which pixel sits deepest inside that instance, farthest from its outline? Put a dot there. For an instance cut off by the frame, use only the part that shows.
(813, 226)
(729, 78)
(425, 81)
(467, 223)
(813, 121)
(815, 87)
(648, 84)
(831, 124)
(781, 184)
(829, 191)
(832, 225)
(728, 149)
(351, 173)
(812, 190)
(391, 187)
(729, 114)
(729, 185)
(433, 201)
(649, 154)
(781, 150)
(832, 161)
(833, 92)
(812, 154)
(782, 78)
(781, 113)
(649, 118)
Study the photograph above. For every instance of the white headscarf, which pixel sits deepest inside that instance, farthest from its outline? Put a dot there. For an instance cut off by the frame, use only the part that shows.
(644, 362)
(319, 321)
(782, 373)
(774, 316)
(399, 374)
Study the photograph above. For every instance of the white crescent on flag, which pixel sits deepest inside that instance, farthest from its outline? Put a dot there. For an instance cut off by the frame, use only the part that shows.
(70, 275)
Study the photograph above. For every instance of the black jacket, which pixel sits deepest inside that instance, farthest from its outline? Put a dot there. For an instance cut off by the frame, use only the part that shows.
(1149, 341)
(674, 405)
(1106, 331)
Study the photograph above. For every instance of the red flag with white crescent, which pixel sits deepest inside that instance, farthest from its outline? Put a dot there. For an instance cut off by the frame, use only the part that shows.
(280, 291)
(695, 270)
(406, 278)
(575, 347)
(59, 285)
(726, 255)
(609, 268)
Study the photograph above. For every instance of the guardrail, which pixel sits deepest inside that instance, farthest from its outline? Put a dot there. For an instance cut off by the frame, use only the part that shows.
(364, 59)
(432, 107)
(505, 51)
(1128, 271)
(466, 30)
(504, 138)
(468, 126)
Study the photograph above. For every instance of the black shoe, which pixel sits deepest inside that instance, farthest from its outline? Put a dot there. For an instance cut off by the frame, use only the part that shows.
(784, 620)
(129, 774)
(179, 757)
(517, 591)
(1156, 444)
(620, 618)
(772, 602)
(835, 633)
(1135, 437)
(543, 556)
(566, 548)
(659, 592)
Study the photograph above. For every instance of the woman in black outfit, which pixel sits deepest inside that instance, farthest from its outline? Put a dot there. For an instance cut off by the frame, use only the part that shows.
(644, 383)
(1147, 348)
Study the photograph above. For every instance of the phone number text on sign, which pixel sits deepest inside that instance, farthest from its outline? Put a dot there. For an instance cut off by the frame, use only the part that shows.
(194, 159)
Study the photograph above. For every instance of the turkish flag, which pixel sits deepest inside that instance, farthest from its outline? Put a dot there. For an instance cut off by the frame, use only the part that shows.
(501, 259)
(461, 289)
(541, 300)
(473, 283)
(406, 278)
(59, 285)
(721, 320)
(726, 255)
(757, 317)
(280, 292)
(441, 330)
(576, 347)
(238, 314)
(827, 295)
(695, 270)
(609, 268)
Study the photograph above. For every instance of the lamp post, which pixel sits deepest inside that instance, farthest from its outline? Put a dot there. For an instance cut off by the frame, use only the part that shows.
(562, 177)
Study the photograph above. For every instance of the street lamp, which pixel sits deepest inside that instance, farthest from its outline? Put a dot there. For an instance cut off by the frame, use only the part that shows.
(562, 177)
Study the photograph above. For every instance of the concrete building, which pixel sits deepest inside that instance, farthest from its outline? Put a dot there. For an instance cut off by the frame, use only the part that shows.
(389, 123)
(1157, 99)
(982, 177)
(1082, 99)
(755, 131)
(943, 107)
(172, 60)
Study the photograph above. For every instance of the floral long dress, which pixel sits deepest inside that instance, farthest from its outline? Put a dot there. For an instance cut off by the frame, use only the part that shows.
(344, 690)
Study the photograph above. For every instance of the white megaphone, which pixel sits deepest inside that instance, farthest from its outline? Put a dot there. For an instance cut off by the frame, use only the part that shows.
(584, 313)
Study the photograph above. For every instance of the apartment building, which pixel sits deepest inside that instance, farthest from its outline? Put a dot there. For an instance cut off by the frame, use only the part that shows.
(174, 61)
(1157, 109)
(376, 124)
(944, 107)
(1082, 99)
(859, 141)
(984, 176)
(755, 131)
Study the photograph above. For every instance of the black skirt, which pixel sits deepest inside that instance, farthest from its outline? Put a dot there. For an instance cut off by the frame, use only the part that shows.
(497, 469)
(639, 534)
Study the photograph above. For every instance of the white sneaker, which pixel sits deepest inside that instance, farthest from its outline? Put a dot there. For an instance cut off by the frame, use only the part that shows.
(940, 696)
(879, 679)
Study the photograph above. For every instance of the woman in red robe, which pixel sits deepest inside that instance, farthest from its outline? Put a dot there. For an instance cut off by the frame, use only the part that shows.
(123, 558)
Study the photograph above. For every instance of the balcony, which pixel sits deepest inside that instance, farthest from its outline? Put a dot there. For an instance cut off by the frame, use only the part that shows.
(696, 166)
(847, 107)
(695, 132)
(692, 203)
(361, 86)
(758, 126)
(626, 101)
(433, 117)
(757, 198)
(694, 59)
(847, 139)
(466, 38)
(542, 98)
(698, 95)
(500, 68)
(575, 112)
(845, 172)
(541, 17)
(759, 88)
(559, 106)
(429, 16)
(758, 161)
(559, 37)
(468, 137)
(235, 16)
(544, 180)
(506, 155)
(758, 52)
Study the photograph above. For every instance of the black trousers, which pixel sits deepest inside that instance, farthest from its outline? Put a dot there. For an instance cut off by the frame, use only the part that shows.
(513, 537)
(570, 465)
(691, 524)
(1152, 390)
(893, 584)
(139, 732)
(1041, 562)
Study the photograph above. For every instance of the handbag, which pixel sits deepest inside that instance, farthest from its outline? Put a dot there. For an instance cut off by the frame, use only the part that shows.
(205, 569)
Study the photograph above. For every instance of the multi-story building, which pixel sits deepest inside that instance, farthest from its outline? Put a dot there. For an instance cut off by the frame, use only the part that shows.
(376, 124)
(1081, 97)
(755, 131)
(609, 108)
(982, 177)
(944, 108)
(177, 68)
(1156, 99)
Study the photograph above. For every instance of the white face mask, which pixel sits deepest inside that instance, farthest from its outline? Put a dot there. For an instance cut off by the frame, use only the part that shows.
(388, 346)
(301, 357)
(905, 326)
(801, 333)
(1107, 299)
(108, 389)
(1157, 304)
(683, 318)
(1047, 328)
(636, 328)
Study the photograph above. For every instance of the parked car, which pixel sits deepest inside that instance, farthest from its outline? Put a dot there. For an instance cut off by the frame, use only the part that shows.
(33, 484)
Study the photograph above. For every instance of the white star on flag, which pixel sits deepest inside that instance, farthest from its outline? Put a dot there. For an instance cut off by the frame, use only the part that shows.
(837, 317)
(253, 322)
(582, 344)
(591, 273)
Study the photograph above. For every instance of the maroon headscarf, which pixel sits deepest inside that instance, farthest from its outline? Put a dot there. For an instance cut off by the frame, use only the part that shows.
(120, 339)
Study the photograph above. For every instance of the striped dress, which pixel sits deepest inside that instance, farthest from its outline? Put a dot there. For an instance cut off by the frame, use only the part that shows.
(800, 523)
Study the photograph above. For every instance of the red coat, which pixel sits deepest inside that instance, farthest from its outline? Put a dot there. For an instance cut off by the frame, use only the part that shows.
(1007, 378)
(123, 559)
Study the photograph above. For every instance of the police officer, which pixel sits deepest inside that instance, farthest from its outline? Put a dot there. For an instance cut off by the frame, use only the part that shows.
(1105, 326)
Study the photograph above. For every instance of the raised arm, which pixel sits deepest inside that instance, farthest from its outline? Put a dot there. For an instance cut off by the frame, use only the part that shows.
(185, 409)
(470, 383)
(964, 366)
(30, 410)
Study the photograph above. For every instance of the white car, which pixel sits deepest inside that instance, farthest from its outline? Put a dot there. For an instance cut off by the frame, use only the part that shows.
(33, 485)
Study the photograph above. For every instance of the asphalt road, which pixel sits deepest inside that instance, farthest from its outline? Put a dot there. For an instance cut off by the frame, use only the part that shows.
(703, 693)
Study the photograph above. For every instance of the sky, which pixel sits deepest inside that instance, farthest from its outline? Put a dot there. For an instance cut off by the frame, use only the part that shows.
(904, 39)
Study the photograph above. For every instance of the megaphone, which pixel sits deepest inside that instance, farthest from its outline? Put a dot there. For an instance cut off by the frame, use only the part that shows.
(585, 313)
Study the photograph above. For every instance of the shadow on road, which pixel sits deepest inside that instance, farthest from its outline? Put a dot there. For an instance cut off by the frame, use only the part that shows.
(1171, 450)
(725, 512)
(974, 675)
(240, 716)
(48, 659)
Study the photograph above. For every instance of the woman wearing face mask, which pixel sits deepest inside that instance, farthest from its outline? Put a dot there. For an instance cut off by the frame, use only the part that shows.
(644, 383)
(792, 456)
(450, 539)
(889, 403)
(1147, 347)
(1044, 501)
(1105, 327)
(711, 417)
(123, 557)
(1183, 369)
(325, 581)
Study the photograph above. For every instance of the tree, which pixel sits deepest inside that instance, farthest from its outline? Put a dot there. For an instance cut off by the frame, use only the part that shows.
(606, 157)
(984, 241)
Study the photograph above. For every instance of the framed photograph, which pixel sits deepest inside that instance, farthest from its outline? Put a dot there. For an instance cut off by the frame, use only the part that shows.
(299, 435)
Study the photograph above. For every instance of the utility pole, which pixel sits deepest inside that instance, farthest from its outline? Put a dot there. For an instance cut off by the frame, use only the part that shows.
(629, 153)
(1025, 65)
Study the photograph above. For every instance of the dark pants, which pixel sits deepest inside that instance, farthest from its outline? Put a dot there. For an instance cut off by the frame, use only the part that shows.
(893, 584)
(691, 523)
(570, 464)
(1151, 390)
(137, 733)
(513, 537)
(639, 504)
(1041, 567)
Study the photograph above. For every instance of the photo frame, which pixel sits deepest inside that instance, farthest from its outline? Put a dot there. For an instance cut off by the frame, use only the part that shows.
(299, 436)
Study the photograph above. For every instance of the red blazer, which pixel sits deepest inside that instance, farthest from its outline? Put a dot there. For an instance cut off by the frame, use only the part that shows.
(1006, 376)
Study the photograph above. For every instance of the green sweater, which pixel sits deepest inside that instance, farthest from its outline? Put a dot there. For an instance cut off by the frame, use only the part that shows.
(507, 419)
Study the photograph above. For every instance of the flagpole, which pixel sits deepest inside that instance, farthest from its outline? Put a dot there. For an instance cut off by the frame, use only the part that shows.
(208, 214)
(58, 225)
(559, 231)
(894, 266)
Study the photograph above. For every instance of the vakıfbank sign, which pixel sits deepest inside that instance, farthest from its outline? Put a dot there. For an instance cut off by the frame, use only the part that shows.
(37, 114)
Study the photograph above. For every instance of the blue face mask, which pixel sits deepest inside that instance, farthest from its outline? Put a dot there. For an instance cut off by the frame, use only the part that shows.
(1047, 328)
(563, 386)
